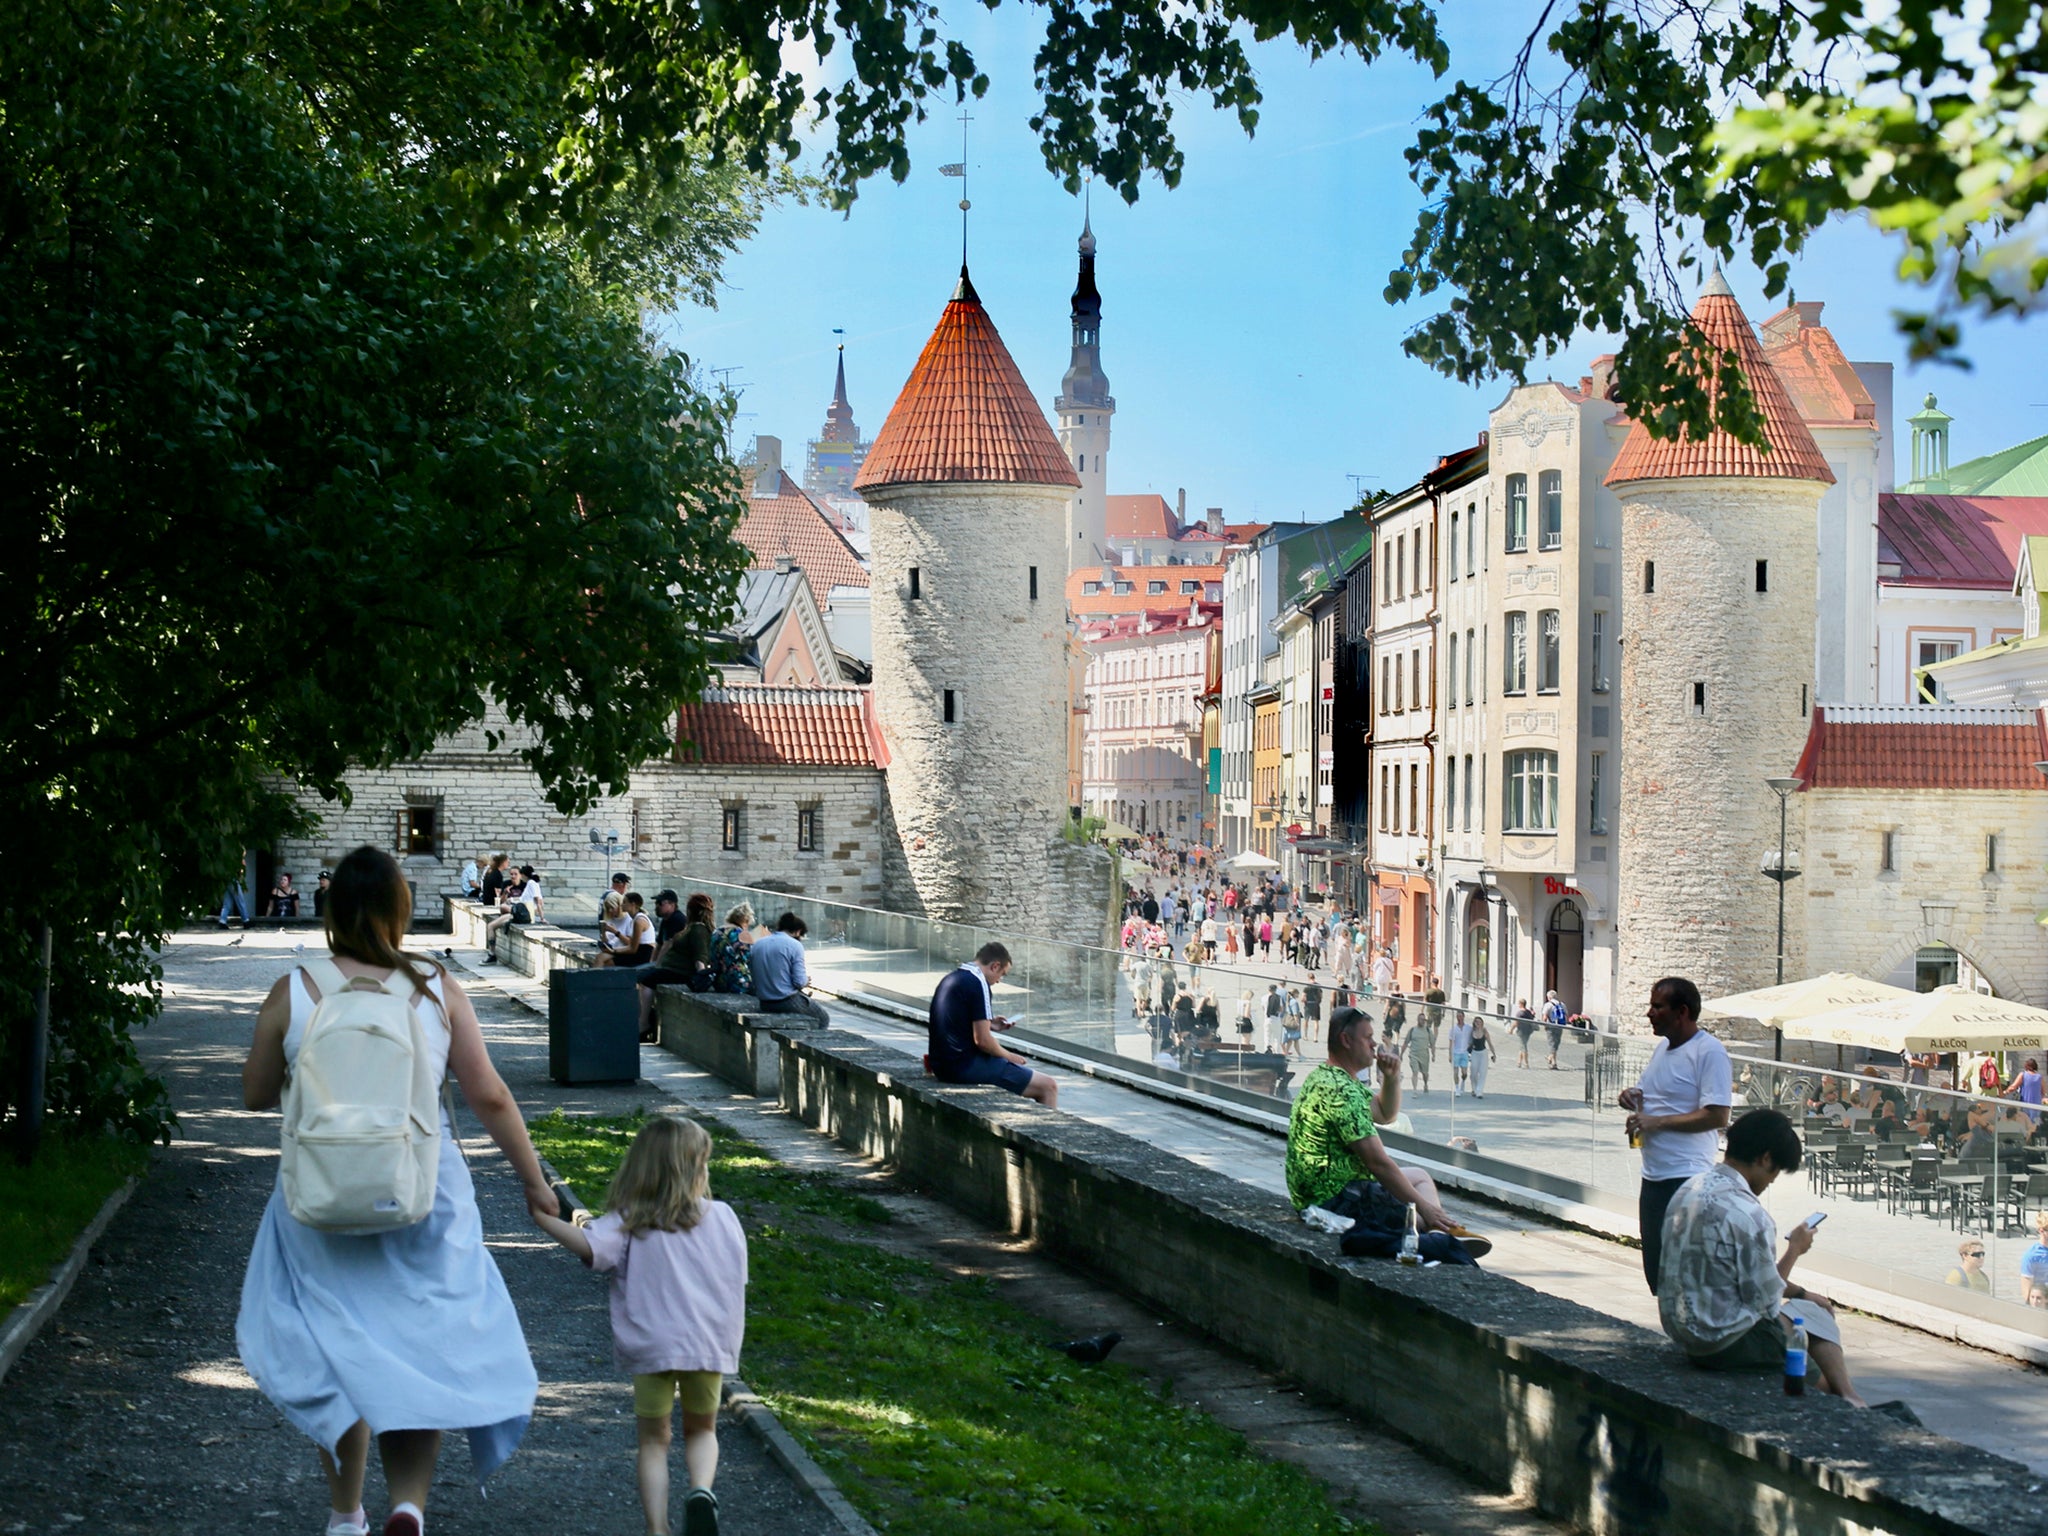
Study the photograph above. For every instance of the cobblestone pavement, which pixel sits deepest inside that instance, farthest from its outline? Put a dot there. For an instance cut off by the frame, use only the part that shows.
(132, 1414)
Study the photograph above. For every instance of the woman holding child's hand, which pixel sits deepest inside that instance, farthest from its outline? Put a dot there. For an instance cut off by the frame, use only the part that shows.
(407, 1331)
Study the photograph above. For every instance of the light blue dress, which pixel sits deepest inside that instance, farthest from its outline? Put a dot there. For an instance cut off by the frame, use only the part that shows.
(411, 1329)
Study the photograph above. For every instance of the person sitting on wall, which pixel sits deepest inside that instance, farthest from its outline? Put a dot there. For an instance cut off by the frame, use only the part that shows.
(1340, 1174)
(682, 955)
(1720, 1294)
(964, 1025)
(780, 976)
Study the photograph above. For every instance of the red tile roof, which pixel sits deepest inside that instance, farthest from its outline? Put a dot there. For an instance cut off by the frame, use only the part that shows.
(966, 414)
(1793, 454)
(773, 727)
(1956, 541)
(790, 524)
(1138, 600)
(1808, 360)
(1923, 747)
(1140, 517)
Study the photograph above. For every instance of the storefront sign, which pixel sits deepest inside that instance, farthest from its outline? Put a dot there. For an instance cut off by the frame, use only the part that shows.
(1555, 887)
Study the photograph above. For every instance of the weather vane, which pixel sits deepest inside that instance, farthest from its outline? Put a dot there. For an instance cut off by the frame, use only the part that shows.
(959, 168)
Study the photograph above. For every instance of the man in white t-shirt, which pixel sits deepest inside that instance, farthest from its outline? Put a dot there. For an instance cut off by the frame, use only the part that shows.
(1678, 1108)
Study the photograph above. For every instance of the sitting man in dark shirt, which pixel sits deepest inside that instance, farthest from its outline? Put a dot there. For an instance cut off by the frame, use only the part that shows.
(964, 1025)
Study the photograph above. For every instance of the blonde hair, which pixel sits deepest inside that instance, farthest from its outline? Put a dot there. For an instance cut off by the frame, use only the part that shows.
(741, 916)
(614, 904)
(664, 1181)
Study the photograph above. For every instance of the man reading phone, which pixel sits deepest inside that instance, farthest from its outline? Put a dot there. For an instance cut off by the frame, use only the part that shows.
(1722, 1297)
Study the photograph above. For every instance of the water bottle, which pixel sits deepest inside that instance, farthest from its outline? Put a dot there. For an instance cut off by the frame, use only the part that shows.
(1795, 1362)
(1411, 1241)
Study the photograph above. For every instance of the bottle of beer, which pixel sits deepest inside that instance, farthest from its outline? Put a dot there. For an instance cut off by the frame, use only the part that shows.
(1795, 1362)
(1411, 1240)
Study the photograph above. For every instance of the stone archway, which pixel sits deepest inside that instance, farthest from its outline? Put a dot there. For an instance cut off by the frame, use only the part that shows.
(1960, 939)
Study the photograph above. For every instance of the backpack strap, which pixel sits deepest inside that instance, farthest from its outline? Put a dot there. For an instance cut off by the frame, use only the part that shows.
(327, 976)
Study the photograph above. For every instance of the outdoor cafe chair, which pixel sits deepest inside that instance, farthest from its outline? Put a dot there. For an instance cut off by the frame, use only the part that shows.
(1976, 1202)
(1851, 1168)
(2012, 1210)
(1917, 1184)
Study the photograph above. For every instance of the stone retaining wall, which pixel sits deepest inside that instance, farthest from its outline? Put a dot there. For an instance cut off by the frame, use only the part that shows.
(1593, 1420)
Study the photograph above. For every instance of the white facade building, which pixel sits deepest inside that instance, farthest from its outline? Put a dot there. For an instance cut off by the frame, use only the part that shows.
(1142, 748)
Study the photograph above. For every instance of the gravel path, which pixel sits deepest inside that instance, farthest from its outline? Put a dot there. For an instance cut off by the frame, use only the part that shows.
(131, 1412)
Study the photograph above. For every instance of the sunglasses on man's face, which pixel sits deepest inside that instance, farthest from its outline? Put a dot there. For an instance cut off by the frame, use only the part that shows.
(1974, 1253)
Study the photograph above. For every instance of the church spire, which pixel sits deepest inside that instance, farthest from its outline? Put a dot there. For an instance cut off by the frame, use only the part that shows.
(1084, 383)
(839, 427)
(1085, 408)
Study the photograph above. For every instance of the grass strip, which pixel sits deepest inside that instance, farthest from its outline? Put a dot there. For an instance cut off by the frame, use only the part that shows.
(54, 1199)
(937, 1406)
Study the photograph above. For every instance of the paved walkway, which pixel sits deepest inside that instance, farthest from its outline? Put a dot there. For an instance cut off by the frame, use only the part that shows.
(132, 1414)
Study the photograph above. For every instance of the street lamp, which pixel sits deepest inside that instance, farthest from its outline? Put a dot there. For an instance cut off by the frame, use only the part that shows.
(1782, 787)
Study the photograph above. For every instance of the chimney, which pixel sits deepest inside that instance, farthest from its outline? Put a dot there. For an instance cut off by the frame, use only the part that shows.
(1214, 520)
(1603, 376)
(784, 564)
(768, 466)
(1485, 438)
(1180, 507)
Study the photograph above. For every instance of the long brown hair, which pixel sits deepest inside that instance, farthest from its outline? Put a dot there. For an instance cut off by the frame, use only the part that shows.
(369, 907)
(665, 1179)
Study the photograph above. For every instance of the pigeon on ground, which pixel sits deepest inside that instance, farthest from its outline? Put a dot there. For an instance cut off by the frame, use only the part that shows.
(1092, 1351)
(236, 940)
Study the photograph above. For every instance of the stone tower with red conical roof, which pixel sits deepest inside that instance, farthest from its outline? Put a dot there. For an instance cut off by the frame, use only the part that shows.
(1717, 669)
(967, 489)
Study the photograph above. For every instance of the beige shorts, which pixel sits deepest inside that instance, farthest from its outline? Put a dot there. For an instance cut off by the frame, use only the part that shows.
(654, 1396)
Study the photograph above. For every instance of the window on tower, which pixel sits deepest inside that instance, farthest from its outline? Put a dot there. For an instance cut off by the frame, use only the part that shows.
(916, 584)
(951, 707)
(1034, 584)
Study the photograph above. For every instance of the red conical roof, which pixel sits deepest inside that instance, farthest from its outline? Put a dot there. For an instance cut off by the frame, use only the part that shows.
(966, 414)
(1793, 453)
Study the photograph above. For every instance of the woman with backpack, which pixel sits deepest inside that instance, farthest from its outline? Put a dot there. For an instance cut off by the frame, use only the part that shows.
(371, 1304)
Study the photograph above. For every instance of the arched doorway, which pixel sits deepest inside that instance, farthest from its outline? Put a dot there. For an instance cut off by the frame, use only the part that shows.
(1564, 954)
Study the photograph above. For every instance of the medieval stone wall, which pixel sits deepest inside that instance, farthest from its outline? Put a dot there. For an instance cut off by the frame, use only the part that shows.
(671, 821)
(1871, 921)
(972, 805)
(1696, 816)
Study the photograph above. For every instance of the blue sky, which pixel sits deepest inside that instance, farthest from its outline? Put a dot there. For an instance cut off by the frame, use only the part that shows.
(1252, 356)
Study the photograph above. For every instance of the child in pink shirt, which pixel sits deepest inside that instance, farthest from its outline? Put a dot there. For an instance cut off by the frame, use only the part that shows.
(678, 1262)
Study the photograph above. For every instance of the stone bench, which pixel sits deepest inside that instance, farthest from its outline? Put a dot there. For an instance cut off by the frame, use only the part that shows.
(721, 1032)
(1595, 1421)
(532, 949)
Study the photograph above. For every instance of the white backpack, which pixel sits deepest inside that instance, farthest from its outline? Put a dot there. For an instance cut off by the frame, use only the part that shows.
(362, 1112)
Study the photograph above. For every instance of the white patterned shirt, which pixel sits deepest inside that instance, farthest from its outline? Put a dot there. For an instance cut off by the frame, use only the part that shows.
(1719, 1274)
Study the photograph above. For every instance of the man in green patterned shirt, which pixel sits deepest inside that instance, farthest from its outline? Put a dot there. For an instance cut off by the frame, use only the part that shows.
(1335, 1158)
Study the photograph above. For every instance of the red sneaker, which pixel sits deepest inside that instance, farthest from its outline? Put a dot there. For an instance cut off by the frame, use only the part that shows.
(403, 1523)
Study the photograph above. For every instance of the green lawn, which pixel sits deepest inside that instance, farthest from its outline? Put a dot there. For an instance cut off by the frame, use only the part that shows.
(51, 1201)
(936, 1405)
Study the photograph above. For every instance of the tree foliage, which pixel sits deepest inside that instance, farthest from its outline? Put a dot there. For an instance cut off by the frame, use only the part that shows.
(315, 460)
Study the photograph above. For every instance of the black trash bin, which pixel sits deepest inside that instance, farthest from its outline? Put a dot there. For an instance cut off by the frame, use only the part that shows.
(593, 1026)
